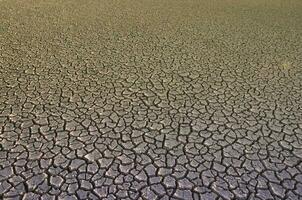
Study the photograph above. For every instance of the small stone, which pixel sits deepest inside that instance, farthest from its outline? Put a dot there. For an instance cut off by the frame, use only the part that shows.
(169, 143)
(159, 189)
(150, 170)
(185, 184)
(264, 194)
(30, 196)
(142, 176)
(105, 162)
(56, 181)
(125, 168)
(72, 188)
(4, 187)
(101, 192)
(69, 197)
(184, 130)
(164, 171)
(208, 196)
(93, 168)
(219, 168)
(86, 185)
(277, 189)
(6, 172)
(154, 180)
(76, 163)
(36, 180)
(184, 194)
(147, 193)
(169, 182)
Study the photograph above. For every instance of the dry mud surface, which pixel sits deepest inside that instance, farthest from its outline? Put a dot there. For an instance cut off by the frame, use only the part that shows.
(149, 99)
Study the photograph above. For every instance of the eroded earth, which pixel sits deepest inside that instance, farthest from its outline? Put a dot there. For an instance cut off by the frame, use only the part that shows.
(150, 99)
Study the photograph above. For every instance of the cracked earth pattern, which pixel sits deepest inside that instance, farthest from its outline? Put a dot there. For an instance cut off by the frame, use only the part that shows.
(151, 99)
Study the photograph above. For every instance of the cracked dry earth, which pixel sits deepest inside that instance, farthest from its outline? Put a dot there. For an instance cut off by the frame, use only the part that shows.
(196, 99)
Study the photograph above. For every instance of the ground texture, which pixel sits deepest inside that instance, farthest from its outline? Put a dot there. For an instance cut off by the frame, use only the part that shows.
(149, 99)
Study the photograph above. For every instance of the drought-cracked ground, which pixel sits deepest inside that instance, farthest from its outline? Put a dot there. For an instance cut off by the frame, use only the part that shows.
(150, 99)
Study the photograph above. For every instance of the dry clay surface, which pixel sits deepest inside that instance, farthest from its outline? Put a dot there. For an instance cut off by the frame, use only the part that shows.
(150, 99)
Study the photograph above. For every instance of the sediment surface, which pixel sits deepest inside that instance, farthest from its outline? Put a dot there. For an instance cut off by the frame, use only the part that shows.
(149, 99)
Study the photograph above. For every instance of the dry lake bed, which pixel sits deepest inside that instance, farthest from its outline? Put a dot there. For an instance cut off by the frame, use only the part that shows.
(151, 99)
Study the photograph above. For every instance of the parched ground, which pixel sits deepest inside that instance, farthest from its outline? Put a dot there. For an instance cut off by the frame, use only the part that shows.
(151, 99)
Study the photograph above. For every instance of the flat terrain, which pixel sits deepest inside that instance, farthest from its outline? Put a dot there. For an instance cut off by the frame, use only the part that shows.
(150, 99)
